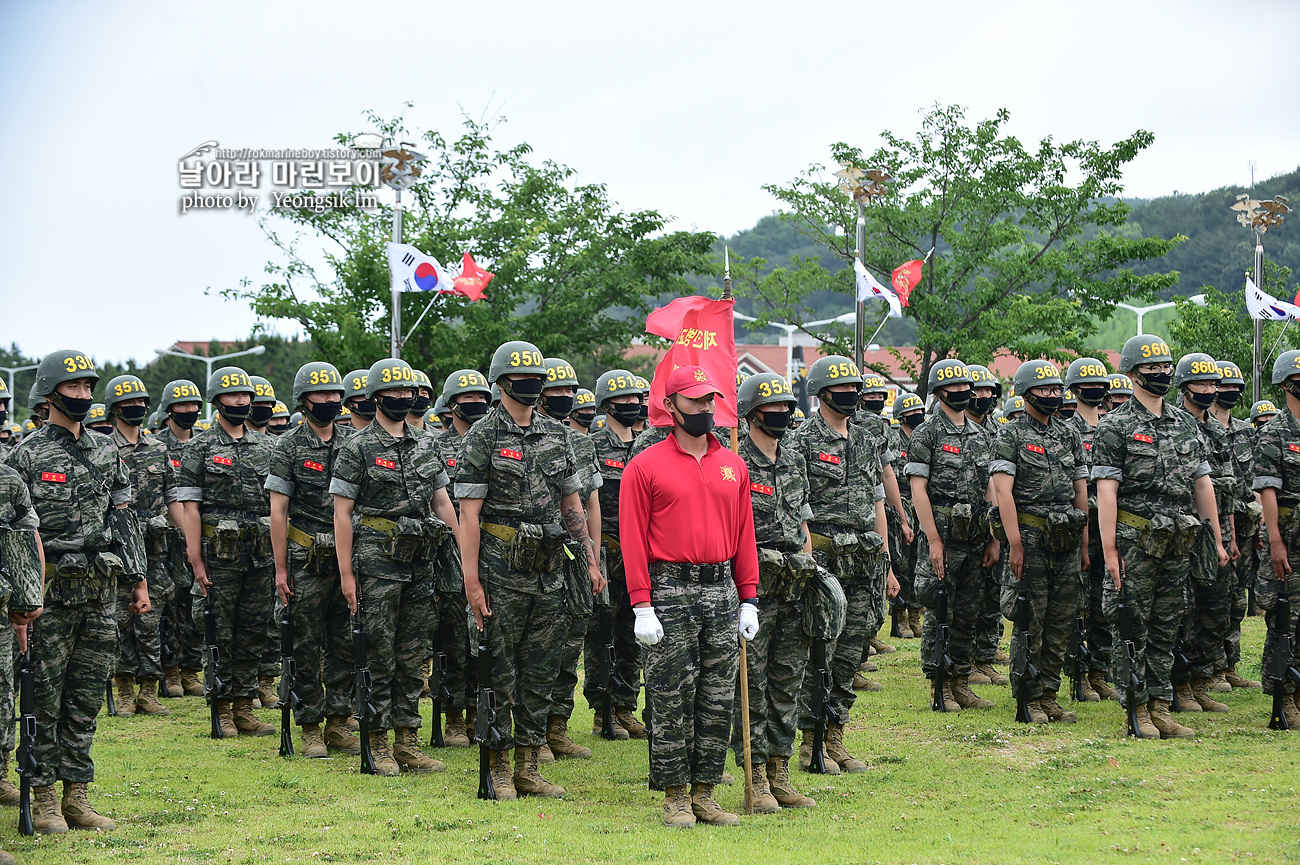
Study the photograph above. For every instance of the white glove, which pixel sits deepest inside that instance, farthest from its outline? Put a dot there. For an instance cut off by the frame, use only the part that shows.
(748, 621)
(648, 630)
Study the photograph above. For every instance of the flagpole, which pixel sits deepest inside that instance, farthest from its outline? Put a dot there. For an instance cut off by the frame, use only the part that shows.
(396, 342)
(437, 297)
(1259, 324)
(879, 328)
(860, 320)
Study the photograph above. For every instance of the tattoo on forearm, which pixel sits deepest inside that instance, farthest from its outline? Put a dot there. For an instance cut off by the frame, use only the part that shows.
(576, 522)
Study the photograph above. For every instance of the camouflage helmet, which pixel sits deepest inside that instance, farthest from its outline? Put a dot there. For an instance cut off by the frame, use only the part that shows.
(465, 381)
(584, 400)
(354, 384)
(389, 374)
(982, 376)
(643, 385)
(263, 391)
(1068, 398)
(908, 402)
(98, 414)
(155, 420)
(872, 383)
(124, 387)
(516, 358)
(1013, 405)
(1262, 409)
(615, 382)
(1121, 384)
(1231, 373)
(440, 406)
(431, 417)
(741, 375)
(559, 373)
(831, 370)
(598, 422)
(316, 377)
(34, 399)
(1037, 373)
(1196, 366)
(295, 419)
(228, 379)
(1286, 365)
(178, 391)
(999, 416)
(762, 389)
(1086, 370)
(1143, 348)
(280, 411)
(947, 372)
(64, 365)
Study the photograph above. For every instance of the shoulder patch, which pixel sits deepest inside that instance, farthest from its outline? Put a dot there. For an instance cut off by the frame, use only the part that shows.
(61, 478)
(829, 458)
(511, 455)
(1142, 437)
(223, 461)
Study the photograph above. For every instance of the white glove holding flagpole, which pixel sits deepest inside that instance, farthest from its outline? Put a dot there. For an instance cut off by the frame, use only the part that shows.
(748, 621)
(648, 630)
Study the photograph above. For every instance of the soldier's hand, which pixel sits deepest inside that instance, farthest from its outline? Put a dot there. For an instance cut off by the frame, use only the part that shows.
(20, 634)
(1281, 559)
(908, 534)
(282, 585)
(597, 578)
(748, 623)
(1234, 551)
(992, 552)
(1223, 555)
(1112, 567)
(201, 576)
(139, 600)
(647, 628)
(20, 618)
(1016, 558)
(1085, 560)
(892, 588)
(477, 602)
(936, 557)
(348, 584)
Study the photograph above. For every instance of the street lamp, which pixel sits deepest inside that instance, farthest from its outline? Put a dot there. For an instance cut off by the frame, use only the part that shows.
(1259, 217)
(788, 339)
(207, 363)
(11, 370)
(863, 186)
(1198, 299)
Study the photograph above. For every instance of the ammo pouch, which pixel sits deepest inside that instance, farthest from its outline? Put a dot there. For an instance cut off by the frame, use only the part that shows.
(1186, 530)
(73, 566)
(825, 606)
(321, 553)
(436, 533)
(1064, 530)
(109, 566)
(961, 523)
(226, 544)
(772, 571)
(1252, 516)
(78, 580)
(578, 599)
(871, 543)
(524, 551)
(261, 539)
(406, 541)
(158, 535)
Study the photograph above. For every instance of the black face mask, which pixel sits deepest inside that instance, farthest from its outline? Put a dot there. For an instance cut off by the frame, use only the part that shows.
(626, 413)
(525, 390)
(912, 419)
(4, 416)
(1226, 398)
(260, 414)
(235, 415)
(1091, 394)
(584, 419)
(955, 400)
(277, 429)
(1045, 405)
(980, 405)
(558, 406)
(75, 409)
(184, 419)
(132, 415)
(643, 412)
(364, 407)
(395, 407)
(324, 412)
(844, 401)
(101, 427)
(696, 425)
(1066, 413)
(421, 405)
(1201, 400)
(875, 403)
(469, 411)
(1157, 383)
(774, 423)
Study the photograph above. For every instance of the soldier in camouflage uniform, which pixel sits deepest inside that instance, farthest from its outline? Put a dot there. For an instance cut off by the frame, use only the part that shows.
(228, 544)
(97, 419)
(910, 411)
(1277, 480)
(1039, 474)
(306, 569)
(153, 484)
(584, 410)
(1261, 413)
(389, 486)
(1121, 391)
(778, 655)
(948, 463)
(259, 415)
(423, 399)
(988, 627)
(1247, 515)
(518, 487)
(359, 408)
(1153, 491)
(81, 491)
(180, 405)
(278, 425)
(849, 538)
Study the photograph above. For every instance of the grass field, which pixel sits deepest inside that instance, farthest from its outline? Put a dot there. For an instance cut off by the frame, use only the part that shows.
(976, 787)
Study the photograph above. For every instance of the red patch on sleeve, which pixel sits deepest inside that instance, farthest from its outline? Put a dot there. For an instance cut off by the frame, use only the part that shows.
(829, 458)
(451, 463)
(388, 464)
(175, 463)
(1038, 449)
(223, 461)
(616, 464)
(952, 449)
(903, 454)
(316, 467)
(56, 477)
(1087, 446)
(511, 455)
(760, 488)
(1141, 437)
(1294, 448)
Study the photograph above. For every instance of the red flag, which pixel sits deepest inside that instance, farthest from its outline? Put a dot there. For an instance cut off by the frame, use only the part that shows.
(703, 334)
(473, 279)
(905, 278)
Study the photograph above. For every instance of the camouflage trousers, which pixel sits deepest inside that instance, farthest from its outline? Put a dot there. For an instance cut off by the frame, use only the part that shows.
(452, 639)
(1156, 588)
(990, 625)
(1209, 609)
(776, 659)
(1098, 635)
(964, 580)
(902, 557)
(691, 678)
(9, 658)
(1243, 579)
(859, 576)
(627, 651)
(1054, 585)
(184, 636)
(73, 650)
(398, 618)
(526, 638)
(139, 648)
(1267, 590)
(566, 681)
(241, 592)
(322, 639)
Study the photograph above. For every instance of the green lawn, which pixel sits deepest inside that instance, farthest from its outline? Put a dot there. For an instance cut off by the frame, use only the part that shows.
(970, 788)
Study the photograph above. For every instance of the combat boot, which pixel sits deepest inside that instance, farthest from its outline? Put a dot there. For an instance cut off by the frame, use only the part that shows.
(226, 720)
(1090, 694)
(836, 751)
(1291, 709)
(1102, 687)
(338, 736)
(597, 726)
(77, 811)
(862, 683)
(1037, 714)
(626, 718)
(966, 698)
(881, 647)
(805, 755)
(147, 700)
(993, 676)
(1201, 691)
(246, 722)
(9, 794)
(868, 667)
(545, 755)
(778, 778)
(677, 807)
(978, 676)
(407, 753)
(708, 811)
(1219, 684)
(763, 800)
(914, 621)
(1001, 657)
(1239, 681)
(456, 734)
(1186, 700)
(267, 693)
(904, 628)
(1164, 722)
(190, 683)
(1054, 710)
(47, 817)
(125, 696)
(313, 743)
(175, 688)
(382, 754)
(502, 781)
(1146, 729)
(557, 736)
(528, 780)
(950, 703)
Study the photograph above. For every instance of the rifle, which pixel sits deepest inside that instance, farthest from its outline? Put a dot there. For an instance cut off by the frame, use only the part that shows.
(485, 731)
(608, 674)
(821, 695)
(365, 708)
(1129, 681)
(439, 693)
(895, 609)
(213, 676)
(1079, 657)
(942, 652)
(168, 656)
(1280, 668)
(288, 672)
(1022, 666)
(111, 700)
(27, 767)
(1180, 671)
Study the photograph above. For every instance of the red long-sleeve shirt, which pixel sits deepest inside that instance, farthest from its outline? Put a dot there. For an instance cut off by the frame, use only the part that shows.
(673, 509)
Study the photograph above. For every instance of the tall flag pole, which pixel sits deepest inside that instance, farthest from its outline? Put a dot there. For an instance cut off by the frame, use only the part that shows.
(398, 170)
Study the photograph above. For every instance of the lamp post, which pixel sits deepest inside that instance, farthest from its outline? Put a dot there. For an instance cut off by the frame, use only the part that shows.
(12, 370)
(789, 330)
(207, 363)
(399, 168)
(862, 186)
(1259, 217)
(1198, 299)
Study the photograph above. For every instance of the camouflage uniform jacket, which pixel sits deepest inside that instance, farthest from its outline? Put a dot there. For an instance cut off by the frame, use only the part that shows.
(612, 456)
(225, 475)
(175, 447)
(301, 467)
(447, 443)
(900, 463)
(1044, 459)
(887, 438)
(1155, 459)
(584, 455)
(955, 459)
(1242, 441)
(779, 492)
(153, 480)
(843, 473)
(1223, 468)
(1277, 460)
(20, 580)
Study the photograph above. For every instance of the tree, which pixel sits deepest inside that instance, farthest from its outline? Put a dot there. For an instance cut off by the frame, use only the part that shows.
(1028, 245)
(574, 274)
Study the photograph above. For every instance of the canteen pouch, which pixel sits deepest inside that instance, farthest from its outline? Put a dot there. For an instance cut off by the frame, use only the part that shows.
(578, 599)
(1064, 530)
(961, 523)
(227, 544)
(109, 566)
(526, 547)
(322, 552)
(436, 533)
(1249, 521)
(825, 606)
(872, 543)
(73, 566)
(772, 570)
(1157, 539)
(1186, 530)
(158, 534)
(1204, 556)
(405, 541)
(70, 586)
(261, 539)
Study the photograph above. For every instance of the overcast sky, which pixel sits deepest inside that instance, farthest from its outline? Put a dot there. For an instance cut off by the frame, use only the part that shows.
(687, 108)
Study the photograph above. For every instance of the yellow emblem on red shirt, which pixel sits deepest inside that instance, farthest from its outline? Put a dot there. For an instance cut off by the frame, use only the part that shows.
(728, 473)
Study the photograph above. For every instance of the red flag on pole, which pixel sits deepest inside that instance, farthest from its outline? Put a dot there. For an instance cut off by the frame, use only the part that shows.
(473, 279)
(703, 334)
(905, 278)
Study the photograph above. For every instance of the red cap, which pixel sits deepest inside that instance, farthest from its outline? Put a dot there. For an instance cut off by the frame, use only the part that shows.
(691, 382)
